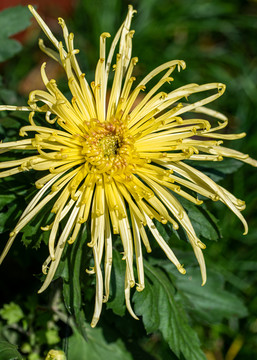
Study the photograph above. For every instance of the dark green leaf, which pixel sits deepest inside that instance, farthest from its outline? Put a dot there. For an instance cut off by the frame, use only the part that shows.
(96, 347)
(219, 169)
(8, 48)
(204, 223)
(8, 96)
(14, 20)
(9, 351)
(72, 270)
(227, 166)
(32, 234)
(116, 302)
(8, 209)
(163, 230)
(6, 199)
(160, 312)
(211, 302)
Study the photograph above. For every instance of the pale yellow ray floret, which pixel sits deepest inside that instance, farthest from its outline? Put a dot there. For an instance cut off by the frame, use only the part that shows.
(118, 163)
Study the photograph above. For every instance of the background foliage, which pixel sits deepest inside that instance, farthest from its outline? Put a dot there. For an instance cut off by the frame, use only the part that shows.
(178, 318)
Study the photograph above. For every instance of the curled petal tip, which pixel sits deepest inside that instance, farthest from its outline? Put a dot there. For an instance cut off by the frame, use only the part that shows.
(204, 276)
(130, 8)
(140, 287)
(175, 226)
(221, 88)
(105, 35)
(94, 322)
(201, 245)
(61, 21)
(183, 64)
(181, 270)
(245, 227)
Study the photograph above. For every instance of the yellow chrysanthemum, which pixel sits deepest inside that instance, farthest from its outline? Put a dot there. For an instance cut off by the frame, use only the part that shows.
(108, 161)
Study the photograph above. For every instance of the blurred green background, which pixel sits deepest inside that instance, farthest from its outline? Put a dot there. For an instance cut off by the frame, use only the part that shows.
(217, 39)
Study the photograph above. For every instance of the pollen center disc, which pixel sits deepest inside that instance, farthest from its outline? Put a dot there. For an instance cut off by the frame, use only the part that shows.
(108, 147)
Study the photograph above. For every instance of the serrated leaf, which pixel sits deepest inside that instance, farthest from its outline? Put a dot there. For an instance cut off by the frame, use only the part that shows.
(12, 313)
(227, 166)
(116, 301)
(161, 312)
(7, 217)
(96, 347)
(8, 96)
(6, 199)
(219, 169)
(32, 234)
(13, 20)
(72, 277)
(204, 223)
(163, 230)
(8, 48)
(9, 351)
(17, 186)
(7, 124)
(211, 303)
(13, 193)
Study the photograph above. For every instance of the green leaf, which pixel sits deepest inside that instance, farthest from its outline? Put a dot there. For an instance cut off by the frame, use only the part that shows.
(6, 199)
(227, 166)
(12, 313)
(52, 336)
(211, 303)
(116, 302)
(32, 234)
(219, 169)
(204, 223)
(96, 347)
(8, 208)
(33, 356)
(8, 96)
(9, 47)
(163, 230)
(9, 351)
(13, 194)
(161, 312)
(12, 21)
(72, 278)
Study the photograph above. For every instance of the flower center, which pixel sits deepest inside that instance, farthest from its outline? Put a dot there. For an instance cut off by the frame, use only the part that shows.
(109, 148)
(109, 144)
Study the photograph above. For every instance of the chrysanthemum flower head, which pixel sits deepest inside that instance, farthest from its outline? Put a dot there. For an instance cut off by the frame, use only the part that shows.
(118, 163)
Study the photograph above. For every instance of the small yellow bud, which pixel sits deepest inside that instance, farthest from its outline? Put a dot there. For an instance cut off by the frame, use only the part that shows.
(55, 355)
